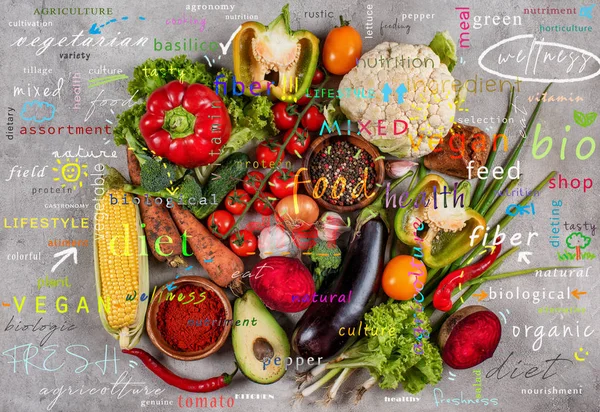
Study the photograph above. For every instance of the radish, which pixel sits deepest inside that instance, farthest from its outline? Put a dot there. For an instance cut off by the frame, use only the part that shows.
(469, 337)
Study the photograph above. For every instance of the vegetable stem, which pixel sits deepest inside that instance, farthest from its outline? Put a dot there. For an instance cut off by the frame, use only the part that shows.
(484, 204)
(492, 156)
(488, 215)
(506, 219)
(309, 390)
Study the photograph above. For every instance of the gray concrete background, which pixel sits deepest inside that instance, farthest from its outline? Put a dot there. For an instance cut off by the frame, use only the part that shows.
(20, 390)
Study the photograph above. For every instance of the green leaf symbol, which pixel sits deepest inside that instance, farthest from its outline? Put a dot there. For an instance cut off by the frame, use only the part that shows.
(583, 119)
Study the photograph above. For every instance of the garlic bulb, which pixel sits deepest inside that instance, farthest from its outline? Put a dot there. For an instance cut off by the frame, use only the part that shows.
(276, 241)
(398, 168)
(331, 226)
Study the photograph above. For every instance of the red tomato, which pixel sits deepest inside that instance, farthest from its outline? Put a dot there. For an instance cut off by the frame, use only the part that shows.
(261, 206)
(305, 99)
(317, 77)
(220, 222)
(313, 119)
(282, 184)
(236, 201)
(243, 243)
(252, 182)
(267, 153)
(299, 142)
(283, 119)
(306, 239)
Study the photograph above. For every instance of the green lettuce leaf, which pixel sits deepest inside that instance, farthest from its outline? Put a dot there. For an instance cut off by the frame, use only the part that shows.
(443, 45)
(391, 358)
(154, 73)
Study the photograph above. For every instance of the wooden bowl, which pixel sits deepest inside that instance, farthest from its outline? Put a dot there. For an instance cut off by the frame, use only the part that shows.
(151, 321)
(357, 141)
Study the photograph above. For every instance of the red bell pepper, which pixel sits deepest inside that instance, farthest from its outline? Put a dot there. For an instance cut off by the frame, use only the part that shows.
(187, 124)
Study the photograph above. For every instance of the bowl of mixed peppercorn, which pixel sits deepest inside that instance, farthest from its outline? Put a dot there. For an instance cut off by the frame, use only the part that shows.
(343, 173)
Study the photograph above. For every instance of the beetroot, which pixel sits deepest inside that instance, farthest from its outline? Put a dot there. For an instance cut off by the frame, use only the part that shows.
(277, 279)
(469, 337)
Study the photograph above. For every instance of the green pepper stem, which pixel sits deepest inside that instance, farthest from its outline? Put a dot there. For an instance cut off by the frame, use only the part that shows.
(376, 209)
(179, 123)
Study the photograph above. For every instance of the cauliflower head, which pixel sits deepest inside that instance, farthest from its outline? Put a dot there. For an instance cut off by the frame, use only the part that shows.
(428, 108)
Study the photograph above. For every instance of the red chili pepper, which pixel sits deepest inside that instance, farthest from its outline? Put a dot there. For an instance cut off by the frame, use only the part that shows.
(443, 294)
(208, 385)
(187, 124)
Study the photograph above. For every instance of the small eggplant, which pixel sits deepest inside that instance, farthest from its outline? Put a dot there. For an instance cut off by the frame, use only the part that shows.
(317, 332)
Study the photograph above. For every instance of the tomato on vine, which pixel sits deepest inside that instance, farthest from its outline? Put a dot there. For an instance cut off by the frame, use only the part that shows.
(283, 119)
(282, 183)
(267, 153)
(261, 204)
(252, 181)
(220, 222)
(299, 143)
(236, 201)
(313, 119)
(243, 243)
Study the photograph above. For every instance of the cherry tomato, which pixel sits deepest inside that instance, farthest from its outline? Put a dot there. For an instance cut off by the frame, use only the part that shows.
(305, 99)
(298, 143)
(267, 153)
(261, 206)
(220, 222)
(343, 46)
(236, 201)
(404, 277)
(313, 119)
(283, 119)
(282, 184)
(243, 243)
(317, 78)
(252, 182)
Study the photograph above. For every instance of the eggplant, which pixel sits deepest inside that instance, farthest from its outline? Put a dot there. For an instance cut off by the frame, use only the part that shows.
(317, 332)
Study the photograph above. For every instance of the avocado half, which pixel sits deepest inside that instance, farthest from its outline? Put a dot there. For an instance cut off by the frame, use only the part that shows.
(252, 344)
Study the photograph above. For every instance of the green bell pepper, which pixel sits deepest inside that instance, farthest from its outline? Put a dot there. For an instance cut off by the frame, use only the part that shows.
(448, 221)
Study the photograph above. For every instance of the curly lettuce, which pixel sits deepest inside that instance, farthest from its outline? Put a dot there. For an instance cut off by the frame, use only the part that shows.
(390, 357)
(251, 119)
(155, 73)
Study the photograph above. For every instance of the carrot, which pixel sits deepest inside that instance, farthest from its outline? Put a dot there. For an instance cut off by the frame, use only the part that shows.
(218, 260)
(157, 221)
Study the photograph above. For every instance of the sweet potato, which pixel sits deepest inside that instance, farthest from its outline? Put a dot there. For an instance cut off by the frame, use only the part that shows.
(157, 221)
(218, 260)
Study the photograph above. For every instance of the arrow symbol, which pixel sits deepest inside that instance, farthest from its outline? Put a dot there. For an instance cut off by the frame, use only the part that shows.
(577, 293)
(481, 295)
(523, 257)
(400, 90)
(386, 92)
(94, 29)
(172, 192)
(65, 254)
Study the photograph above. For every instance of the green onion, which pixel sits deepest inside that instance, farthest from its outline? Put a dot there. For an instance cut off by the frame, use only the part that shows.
(484, 204)
(499, 200)
(492, 156)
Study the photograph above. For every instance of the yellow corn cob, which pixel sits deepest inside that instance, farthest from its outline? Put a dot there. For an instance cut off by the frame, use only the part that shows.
(118, 258)
(121, 272)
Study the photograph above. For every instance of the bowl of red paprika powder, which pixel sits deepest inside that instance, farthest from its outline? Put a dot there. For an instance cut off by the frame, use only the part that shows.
(189, 318)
